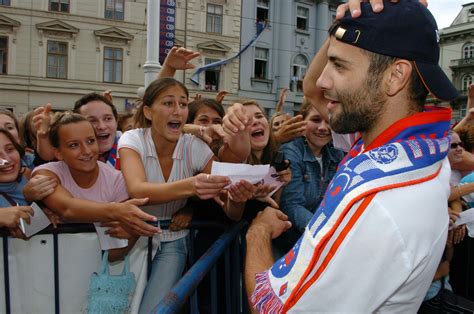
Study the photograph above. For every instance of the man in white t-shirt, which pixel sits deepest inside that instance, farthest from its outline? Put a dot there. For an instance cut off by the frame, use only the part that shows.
(376, 240)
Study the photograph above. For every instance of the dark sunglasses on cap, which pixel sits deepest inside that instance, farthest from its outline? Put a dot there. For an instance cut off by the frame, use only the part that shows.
(455, 145)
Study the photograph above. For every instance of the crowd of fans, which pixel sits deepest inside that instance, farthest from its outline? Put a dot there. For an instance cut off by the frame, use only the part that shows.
(92, 164)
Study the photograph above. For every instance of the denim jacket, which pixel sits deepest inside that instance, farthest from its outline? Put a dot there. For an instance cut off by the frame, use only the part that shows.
(301, 197)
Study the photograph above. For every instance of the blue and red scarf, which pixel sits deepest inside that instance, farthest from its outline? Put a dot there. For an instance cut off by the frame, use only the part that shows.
(112, 157)
(409, 152)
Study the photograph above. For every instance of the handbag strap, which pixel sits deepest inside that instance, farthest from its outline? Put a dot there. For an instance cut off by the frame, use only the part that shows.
(104, 267)
(9, 199)
(126, 267)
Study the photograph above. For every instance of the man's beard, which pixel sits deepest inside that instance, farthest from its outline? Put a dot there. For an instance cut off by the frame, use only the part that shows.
(360, 109)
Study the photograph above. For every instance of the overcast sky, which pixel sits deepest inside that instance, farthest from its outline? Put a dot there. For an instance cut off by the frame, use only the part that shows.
(445, 11)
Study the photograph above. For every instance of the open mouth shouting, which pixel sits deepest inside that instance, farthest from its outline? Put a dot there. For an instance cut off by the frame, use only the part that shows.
(175, 126)
(103, 137)
(258, 134)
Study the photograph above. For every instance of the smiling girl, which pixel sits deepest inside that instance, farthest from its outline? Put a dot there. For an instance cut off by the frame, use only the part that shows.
(313, 163)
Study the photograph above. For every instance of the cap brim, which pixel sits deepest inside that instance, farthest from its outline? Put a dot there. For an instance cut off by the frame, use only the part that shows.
(436, 81)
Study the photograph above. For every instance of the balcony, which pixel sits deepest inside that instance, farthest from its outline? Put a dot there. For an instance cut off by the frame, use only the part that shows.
(458, 63)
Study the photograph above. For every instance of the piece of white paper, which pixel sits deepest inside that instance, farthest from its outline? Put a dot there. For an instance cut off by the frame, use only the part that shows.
(258, 174)
(38, 221)
(107, 242)
(465, 217)
(237, 172)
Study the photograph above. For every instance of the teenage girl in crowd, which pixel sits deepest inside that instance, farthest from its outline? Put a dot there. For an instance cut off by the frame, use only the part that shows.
(163, 164)
(313, 162)
(90, 191)
(9, 122)
(249, 117)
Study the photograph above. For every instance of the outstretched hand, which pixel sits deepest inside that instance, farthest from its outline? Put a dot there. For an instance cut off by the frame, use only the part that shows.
(42, 119)
(134, 220)
(179, 58)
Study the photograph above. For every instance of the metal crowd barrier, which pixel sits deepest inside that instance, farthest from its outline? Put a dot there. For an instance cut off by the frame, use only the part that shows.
(88, 228)
(231, 245)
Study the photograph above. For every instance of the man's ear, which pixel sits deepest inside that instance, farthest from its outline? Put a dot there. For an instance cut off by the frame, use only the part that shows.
(399, 74)
(57, 154)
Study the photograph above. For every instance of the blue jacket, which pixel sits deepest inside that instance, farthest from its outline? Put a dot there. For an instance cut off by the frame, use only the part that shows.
(303, 194)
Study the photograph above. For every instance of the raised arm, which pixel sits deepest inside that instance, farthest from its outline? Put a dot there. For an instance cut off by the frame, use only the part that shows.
(311, 92)
(42, 121)
(177, 59)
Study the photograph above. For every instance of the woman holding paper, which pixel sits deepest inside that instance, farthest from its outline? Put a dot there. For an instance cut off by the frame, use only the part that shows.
(163, 164)
(249, 117)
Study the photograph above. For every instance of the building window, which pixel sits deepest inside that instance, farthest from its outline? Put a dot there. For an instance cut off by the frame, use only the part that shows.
(302, 17)
(466, 81)
(4, 2)
(3, 55)
(300, 65)
(214, 18)
(261, 63)
(212, 76)
(57, 60)
(114, 9)
(468, 51)
(59, 5)
(262, 11)
(113, 61)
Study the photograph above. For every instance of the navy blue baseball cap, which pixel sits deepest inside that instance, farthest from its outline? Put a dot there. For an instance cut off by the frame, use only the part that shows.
(404, 30)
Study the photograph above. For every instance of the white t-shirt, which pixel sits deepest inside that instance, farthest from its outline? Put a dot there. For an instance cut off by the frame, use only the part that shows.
(190, 156)
(388, 260)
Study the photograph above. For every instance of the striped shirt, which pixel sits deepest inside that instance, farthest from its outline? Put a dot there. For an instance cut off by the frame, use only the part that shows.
(190, 156)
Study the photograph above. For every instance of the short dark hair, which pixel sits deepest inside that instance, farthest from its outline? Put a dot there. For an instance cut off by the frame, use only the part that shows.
(17, 145)
(27, 134)
(196, 105)
(122, 118)
(10, 114)
(60, 119)
(84, 100)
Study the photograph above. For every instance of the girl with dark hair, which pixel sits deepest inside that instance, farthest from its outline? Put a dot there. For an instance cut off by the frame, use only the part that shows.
(12, 182)
(163, 164)
(313, 163)
(9, 122)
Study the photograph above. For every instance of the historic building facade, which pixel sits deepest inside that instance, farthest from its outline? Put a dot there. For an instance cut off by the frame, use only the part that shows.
(57, 50)
(457, 55)
(294, 32)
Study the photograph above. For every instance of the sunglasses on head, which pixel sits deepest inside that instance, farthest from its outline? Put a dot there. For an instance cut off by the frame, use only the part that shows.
(455, 145)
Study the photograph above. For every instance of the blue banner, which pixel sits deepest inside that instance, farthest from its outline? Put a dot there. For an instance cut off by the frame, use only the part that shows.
(167, 27)
(260, 28)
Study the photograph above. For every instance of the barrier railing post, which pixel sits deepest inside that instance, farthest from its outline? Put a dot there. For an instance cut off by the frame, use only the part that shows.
(6, 274)
(181, 291)
(56, 272)
(227, 280)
